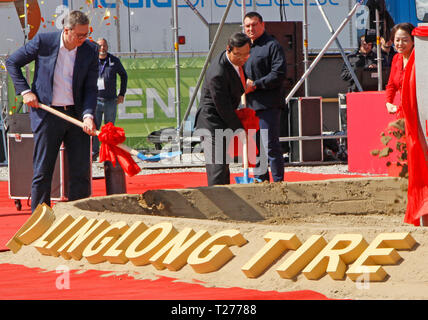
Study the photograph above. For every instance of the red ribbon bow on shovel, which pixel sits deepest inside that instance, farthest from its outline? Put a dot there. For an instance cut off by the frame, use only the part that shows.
(110, 136)
(249, 120)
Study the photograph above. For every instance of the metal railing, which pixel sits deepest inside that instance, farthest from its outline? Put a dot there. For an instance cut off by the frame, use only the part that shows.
(159, 54)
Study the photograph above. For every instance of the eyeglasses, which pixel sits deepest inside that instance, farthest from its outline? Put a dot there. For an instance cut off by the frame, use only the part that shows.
(240, 55)
(82, 35)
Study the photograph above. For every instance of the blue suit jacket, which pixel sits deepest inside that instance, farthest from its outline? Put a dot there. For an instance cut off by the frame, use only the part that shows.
(43, 49)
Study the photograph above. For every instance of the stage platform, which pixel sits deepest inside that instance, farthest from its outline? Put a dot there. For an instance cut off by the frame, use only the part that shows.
(367, 118)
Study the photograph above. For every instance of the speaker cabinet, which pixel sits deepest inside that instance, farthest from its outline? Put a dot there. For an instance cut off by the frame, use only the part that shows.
(290, 36)
(20, 159)
(305, 121)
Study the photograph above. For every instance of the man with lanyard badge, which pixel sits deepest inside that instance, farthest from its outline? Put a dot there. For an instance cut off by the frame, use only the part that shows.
(107, 101)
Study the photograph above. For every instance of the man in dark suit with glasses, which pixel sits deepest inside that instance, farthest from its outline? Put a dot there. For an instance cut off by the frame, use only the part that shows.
(65, 78)
(221, 95)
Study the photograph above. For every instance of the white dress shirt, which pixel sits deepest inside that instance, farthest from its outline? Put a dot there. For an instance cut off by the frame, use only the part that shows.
(234, 66)
(62, 91)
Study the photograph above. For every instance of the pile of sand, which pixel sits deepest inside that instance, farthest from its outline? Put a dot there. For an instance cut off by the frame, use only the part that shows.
(302, 208)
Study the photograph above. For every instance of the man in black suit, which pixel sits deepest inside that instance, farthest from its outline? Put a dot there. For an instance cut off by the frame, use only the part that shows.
(221, 95)
(65, 77)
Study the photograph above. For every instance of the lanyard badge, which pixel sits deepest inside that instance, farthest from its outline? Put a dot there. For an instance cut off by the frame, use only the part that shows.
(100, 82)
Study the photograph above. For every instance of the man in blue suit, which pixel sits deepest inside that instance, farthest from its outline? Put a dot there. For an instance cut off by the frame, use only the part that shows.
(65, 78)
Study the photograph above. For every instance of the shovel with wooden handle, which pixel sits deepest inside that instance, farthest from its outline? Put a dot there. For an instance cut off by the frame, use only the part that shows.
(131, 151)
(245, 178)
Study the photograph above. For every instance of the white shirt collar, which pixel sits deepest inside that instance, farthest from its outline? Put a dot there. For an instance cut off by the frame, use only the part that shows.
(233, 65)
(61, 44)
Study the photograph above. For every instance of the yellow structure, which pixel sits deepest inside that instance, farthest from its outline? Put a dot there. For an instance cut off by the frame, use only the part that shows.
(175, 253)
(277, 244)
(301, 257)
(149, 242)
(342, 250)
(38, 223)
(214, 252)
(164, 247)
(95, 250)
(381, 251)
(116, 253)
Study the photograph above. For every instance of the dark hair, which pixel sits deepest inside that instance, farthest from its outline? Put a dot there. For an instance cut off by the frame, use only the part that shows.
(405, 26)
(238, 40)
(253, 14)
(360, 40)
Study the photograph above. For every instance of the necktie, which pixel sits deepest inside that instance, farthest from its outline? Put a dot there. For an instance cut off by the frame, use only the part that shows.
(244, 84)
(241, 74)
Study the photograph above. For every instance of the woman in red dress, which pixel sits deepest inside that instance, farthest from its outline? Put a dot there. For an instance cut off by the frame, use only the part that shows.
(403, 43)
(402, 80)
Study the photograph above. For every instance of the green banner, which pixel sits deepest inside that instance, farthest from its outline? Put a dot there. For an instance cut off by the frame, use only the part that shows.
(150, 98)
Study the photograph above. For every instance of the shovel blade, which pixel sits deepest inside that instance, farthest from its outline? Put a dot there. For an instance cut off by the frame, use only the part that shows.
(159, 157)
(242, 180)
(246, 179)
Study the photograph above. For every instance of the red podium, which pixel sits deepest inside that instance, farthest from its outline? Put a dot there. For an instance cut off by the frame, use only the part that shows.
(367, 118)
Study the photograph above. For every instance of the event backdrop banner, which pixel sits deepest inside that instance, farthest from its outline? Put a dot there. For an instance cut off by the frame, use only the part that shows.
(150, 98)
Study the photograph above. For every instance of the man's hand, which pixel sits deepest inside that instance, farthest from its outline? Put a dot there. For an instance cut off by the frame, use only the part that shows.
(391, 107)
(89, 126)
(242, 135)
(120, 99)
(250, 86)
(30, 99)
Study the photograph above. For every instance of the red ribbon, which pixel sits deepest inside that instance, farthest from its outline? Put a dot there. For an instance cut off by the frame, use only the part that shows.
(249, 120)
(110, 136)
(417, 192)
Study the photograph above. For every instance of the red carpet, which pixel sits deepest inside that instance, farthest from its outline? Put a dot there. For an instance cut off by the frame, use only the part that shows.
(36, 284)
(19, 282)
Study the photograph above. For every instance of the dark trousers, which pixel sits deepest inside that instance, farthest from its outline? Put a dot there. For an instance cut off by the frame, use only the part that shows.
(47, 141)
(108, 108)
(269, 146)
(216, 160)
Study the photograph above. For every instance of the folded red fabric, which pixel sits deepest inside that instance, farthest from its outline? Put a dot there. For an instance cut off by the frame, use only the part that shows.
(248, 118)
(249, 121)
(417, 193)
